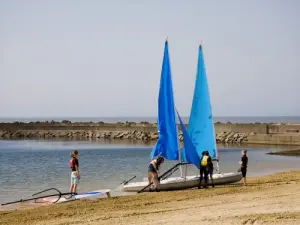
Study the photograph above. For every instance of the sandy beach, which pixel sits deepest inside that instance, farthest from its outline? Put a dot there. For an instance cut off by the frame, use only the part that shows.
(272, 199)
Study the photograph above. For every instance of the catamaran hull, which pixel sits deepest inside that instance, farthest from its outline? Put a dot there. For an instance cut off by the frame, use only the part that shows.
(179, 183)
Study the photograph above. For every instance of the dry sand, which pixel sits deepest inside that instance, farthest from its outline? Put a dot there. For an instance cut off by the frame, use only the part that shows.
(273, 199)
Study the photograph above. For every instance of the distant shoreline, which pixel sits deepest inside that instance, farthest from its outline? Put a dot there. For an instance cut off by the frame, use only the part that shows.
(227, 133)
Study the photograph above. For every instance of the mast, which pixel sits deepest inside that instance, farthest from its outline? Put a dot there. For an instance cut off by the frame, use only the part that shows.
(217, 152)
(179, 155)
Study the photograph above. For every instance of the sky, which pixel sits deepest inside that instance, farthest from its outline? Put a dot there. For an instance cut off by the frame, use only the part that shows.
(103, 58)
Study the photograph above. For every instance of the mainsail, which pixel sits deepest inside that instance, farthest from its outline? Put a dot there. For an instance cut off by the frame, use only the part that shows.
(167, 143)
(200, 126)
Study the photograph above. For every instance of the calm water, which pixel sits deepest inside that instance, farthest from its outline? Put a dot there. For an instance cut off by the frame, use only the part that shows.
(29, 166)
(233, 119)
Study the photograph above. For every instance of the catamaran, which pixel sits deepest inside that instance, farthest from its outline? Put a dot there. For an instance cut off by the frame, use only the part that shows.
(199, 137)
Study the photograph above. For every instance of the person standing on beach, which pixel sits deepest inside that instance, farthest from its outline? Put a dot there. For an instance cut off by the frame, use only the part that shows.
(153, 171)
(75, 174)
(203, 169)
(244, 165)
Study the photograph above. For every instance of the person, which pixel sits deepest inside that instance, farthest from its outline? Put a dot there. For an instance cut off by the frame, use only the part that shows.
(210, 168)
(75, 174)
(153, 171)
(203, 169)
(244, 164)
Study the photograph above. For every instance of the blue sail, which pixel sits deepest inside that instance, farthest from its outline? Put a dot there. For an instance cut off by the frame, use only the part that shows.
(189, 148)
(167, 143)
(201, 126)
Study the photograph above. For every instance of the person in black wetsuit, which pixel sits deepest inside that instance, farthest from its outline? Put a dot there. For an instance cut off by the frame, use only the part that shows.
(203, 169)
(244, 165)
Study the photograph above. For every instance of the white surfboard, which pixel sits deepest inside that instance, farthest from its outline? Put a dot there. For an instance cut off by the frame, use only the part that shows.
(103, 193)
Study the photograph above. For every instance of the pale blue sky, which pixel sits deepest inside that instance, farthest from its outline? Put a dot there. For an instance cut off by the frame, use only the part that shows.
(103, 58)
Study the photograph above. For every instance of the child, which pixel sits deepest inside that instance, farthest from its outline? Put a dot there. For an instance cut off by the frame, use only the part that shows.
(244, 164)
(75, 175)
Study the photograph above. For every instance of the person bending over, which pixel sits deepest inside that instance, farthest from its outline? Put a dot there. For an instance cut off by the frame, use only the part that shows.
(153, 171)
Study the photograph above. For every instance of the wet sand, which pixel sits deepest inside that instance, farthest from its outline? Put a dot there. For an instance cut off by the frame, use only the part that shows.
(272, 199)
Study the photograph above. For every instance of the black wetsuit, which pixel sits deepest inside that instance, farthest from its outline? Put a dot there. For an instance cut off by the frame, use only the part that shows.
(244, 165)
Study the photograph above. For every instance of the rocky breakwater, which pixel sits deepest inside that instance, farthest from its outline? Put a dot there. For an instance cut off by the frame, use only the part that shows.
(224, 137)
(232, 137)
(231, 133)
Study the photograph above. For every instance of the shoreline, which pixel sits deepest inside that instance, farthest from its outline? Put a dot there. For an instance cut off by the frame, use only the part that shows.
(259, 202)
(225, 133)
(290, 152)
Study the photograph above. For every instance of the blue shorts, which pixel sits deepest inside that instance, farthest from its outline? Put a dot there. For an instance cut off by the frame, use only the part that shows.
(74, 179)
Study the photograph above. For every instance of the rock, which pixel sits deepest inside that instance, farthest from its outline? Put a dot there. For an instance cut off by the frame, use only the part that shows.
(121, 135)
(154, 136)
(228, 137)
(65, 121)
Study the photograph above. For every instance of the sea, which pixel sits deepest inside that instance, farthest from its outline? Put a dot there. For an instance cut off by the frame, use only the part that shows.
(223, 119)
(30, 166)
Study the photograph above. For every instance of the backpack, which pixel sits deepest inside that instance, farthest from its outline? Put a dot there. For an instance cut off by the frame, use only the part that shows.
(71, 163)
(204, 160)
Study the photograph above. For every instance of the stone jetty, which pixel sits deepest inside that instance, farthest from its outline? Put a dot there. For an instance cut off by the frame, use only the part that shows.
(231, 133)
(224, 137)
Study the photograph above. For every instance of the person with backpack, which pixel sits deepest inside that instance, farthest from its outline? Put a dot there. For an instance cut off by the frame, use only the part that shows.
(75, 174)
(153, 170)
(203, 169)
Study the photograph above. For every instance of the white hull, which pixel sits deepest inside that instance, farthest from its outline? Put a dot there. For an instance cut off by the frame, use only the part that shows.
(177, 183)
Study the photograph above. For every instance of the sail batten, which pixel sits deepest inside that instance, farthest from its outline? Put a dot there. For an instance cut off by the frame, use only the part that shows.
(166, 145)
(201, 126)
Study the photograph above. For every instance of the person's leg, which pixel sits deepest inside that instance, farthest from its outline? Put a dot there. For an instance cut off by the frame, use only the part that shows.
(156, 182)
(75, 185)
(211, 177)
(206, 176)
(72, 183)
(201, 177)
(244, 172)
(151, 176)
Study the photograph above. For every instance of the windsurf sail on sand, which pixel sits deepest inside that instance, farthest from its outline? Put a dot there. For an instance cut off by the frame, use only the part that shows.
(167, 143)
(200, 126)
(53, 195)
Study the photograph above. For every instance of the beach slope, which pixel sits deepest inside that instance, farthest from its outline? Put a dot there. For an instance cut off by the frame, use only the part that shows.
(272, 199)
